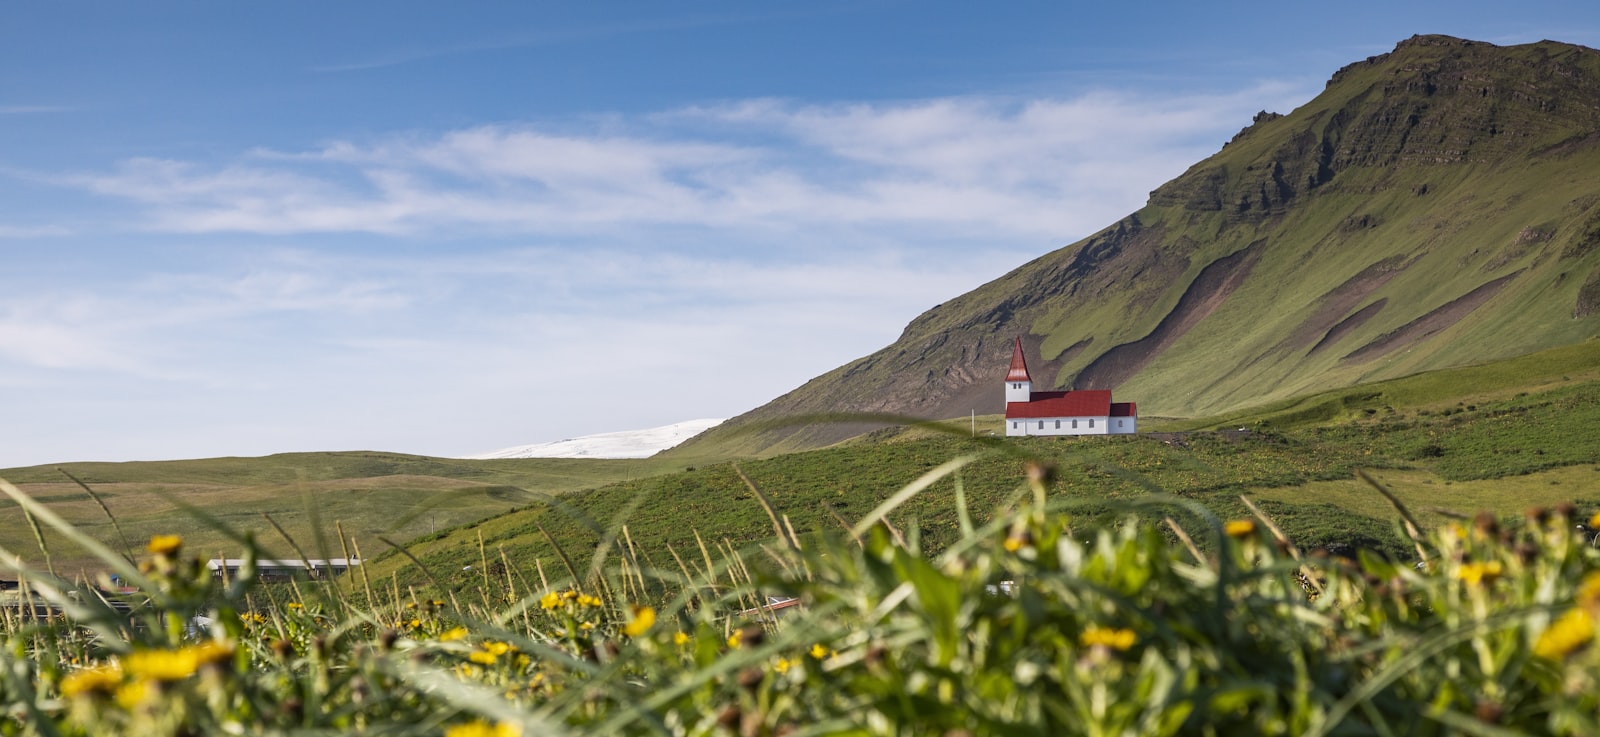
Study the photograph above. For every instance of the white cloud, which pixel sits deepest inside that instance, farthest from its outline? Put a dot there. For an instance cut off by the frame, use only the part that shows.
(1030, 167)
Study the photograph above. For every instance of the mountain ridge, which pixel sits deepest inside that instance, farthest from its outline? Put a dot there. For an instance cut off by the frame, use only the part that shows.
(1434, 206)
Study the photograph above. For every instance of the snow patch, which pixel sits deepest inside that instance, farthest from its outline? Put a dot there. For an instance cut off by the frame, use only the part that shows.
(624, 444)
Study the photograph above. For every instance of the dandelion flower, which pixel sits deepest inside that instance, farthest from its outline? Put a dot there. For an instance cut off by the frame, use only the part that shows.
(782, 666)
(680, 638)
(482, 657)
(820, 651)
(549, 601)
(1588, 595)
(453, 634)
(1239, 529)
(643, 619)
(133, 694)
(484, 729)
(1116, 639)
(91, 682)
(165, 545)
(1479, 573)
(1564, 636)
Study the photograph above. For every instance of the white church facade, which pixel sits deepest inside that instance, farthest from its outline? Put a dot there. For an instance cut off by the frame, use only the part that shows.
(1081, 412)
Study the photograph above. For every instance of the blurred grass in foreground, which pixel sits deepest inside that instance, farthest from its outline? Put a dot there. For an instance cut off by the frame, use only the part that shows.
(1023, 626)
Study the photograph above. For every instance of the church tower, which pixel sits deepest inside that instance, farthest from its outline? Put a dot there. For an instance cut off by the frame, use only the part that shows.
(1019, 386)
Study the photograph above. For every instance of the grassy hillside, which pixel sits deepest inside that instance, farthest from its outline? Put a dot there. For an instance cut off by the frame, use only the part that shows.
(371, 494)
(1437, 206)
(1439, 454)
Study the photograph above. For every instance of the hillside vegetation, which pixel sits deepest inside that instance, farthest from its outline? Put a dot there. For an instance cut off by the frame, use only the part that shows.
(371, 494)
(1436, 206)
(1485, 446)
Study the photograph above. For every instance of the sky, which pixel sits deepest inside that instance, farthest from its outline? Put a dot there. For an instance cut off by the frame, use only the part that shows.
(243, 228)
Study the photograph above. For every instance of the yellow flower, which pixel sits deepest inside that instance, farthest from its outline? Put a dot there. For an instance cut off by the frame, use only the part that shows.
(165, 544)
(1594, 522)
(133, 694)
(820, 651)
(1116, 639)
(174, 665)
(1479, 573)
(482, 658)
(551, 600)
(782, 666)
(451, 635)
(1012, 544)
(91, 681)
(1239, 529)
(587, 600)
(735, 638)
(296, 605)
(1588, 595)
(680, 638)
(643, 619)
(484, 729)
(586, 626)
(1572, 631)
(497, 648)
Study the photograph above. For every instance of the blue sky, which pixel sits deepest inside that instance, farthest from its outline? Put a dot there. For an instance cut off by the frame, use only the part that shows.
(445, 228)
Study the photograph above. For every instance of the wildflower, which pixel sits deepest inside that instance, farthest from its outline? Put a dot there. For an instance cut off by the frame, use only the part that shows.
(1116, 639)
(820, 651)
(586, 626)
(735, 638)
(1594, 522)
(174, 665)
(782, 666)
(1239, 529)
(296, 605)
(643, 619)
(453, 634)
(497, 648)
(165, 545)
(132, 694)
(680, 638)
(1588, 594)
(550, 601)
(587, 600)
(1565, 635)
(1479, 573)
(480, 728)
(482, 657)
(91, 682)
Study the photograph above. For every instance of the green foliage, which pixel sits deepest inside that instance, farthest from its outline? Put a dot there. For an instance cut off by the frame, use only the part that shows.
(1028, 624)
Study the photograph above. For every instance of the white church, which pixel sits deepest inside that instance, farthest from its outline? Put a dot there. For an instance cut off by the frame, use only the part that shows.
(1082, 412)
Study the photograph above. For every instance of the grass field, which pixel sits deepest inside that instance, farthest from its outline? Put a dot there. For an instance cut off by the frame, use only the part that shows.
(1444, 458)
(371, 494)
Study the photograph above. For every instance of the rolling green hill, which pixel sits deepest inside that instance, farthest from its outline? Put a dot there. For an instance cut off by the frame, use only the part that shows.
(1435, 206)
(371, 494)
(1500, 437)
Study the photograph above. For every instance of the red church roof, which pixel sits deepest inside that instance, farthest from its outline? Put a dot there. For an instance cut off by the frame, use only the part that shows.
(1019, 367)
(1081, 403)
(1124, 409)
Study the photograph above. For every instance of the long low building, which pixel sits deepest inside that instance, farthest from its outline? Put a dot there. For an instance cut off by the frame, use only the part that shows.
(1080, 412)
(270, 569)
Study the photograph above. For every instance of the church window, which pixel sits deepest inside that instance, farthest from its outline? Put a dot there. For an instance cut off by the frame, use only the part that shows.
(1041, 424)
(1074, 424)
(1091, 422)
(1058, 424)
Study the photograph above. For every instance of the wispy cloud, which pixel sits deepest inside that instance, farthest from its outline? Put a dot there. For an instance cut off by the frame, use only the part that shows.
(32, 109)
(1036, 167)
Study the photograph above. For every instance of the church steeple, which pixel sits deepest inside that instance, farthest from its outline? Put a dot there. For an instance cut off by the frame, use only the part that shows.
(1019, 386)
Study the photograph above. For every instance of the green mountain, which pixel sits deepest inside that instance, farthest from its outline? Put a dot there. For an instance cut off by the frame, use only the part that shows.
(1433, 207)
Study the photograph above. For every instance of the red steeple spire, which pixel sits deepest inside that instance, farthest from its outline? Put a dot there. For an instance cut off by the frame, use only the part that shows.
(1019, 367)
